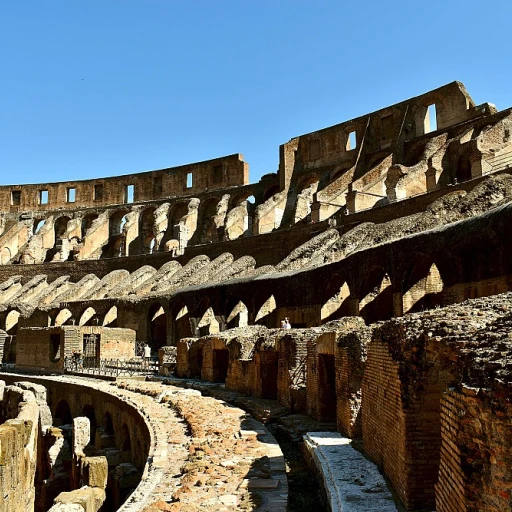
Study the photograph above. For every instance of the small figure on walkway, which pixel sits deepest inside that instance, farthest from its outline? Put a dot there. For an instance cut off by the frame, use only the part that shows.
(287, 324)
(147, 353)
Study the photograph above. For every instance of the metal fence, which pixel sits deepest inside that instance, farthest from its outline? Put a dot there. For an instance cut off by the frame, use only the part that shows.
(110, 367)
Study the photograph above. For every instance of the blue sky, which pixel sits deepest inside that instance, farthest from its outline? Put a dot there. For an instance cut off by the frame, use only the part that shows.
(93, 88)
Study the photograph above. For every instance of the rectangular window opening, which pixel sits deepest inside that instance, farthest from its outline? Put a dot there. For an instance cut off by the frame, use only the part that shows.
(351, 141)
(98, 192)
(43, 197)
(130, 190)
(387, 127)
(431, 119)
(189, 180)
(71, 195)
(157, 185)
(217, 174)
(16, 197)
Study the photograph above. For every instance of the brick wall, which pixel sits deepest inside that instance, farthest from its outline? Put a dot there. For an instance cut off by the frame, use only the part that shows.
(147, 186)
(476, 453)
(320, 392)
(291, 372)
(241, 376)
(383, 417)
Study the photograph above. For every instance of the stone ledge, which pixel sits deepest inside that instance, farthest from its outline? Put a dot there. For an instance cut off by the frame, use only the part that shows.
(351, 482)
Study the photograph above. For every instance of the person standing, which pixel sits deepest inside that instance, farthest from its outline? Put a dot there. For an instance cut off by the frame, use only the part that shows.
(147, 354)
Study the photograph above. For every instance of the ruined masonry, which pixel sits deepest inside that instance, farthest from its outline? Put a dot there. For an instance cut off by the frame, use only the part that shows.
(385, 240)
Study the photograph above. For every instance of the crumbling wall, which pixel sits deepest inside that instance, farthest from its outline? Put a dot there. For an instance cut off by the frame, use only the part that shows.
(18, 441)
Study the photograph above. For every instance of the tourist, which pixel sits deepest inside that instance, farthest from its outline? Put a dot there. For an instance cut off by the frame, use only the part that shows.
(147, 354)
(287, 324)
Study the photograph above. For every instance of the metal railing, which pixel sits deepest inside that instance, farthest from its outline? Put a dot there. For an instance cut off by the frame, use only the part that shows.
(111, 367)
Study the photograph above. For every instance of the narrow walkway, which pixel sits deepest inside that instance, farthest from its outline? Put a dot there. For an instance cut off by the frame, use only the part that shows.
(233, 462)
(351, 482)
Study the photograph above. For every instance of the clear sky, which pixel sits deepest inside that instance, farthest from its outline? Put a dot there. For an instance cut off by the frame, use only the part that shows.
(93, 88)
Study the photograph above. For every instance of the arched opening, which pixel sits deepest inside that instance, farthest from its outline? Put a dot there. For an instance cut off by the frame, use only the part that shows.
(239, 316)
(182, 327)
(424, 289)
(108, 424)
(157, 322)
(207, 226)
(208, 324)
(146, 230)
(377, 301)
(63, 317)
(239, 219)
(337, 305)
(463, 168)
(38, 224)
(89, 317)
(11, 322)
(264, 315)
(87, 222)
(5, 256)
(62, 414)
(110, 319)
(176, 230)
(116, 246)
(60, 227)
(272, 191)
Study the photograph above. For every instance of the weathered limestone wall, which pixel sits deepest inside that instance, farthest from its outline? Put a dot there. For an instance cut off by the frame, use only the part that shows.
(19, 415)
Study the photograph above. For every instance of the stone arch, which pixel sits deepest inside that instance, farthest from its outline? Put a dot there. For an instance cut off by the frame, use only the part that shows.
(271, 191)
(376, 296)
(146, 230)
(240, 217)
(423, 288)
(5, 256)
(12, 322)
(63, 413)
(238, 317)
(157, 327)
(266, 310)
(38, 224)
(207, 225)
(338, 303)
(63, 316)
(110, 319)
(175, 226)
(87, 221)
(60, 227)
(116, 246)
(88, 317)
(306, 182)
(181, 322)
(208, 323)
